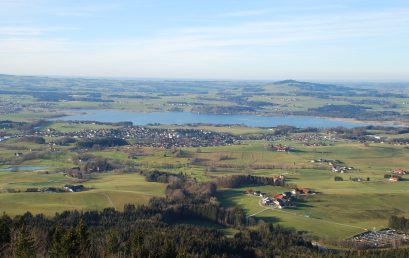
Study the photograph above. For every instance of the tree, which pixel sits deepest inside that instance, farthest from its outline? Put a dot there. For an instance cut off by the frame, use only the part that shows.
(5, 230)
(82, 239)
(24, 244)
(113, 243)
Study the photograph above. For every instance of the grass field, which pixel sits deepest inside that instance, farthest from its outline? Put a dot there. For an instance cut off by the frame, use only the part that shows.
(108, 190)
(340, 210)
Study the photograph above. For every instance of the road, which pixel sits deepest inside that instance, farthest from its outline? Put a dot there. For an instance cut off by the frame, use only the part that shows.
(109, 200)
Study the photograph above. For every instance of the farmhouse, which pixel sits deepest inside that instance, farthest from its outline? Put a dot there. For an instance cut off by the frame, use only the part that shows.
(301, 191)
(249, 191)
(279, 204)
(321, 161)
(279, 196)
(74, 188)
(267, 200)
(256, 193)
(279, 180)
(280, 148)
(341, 169)
(399, 171)
(357, 179)
(394, 179)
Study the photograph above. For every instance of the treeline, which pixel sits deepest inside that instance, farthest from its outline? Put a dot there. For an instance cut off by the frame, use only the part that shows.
(145, 231)
(236, 181)
(399, 223)
(138, 232)
(355, 133)
(188, 199)
(33, 139)
(161, 177)
(208, 109)
(101, 142)
(352, 111)
(88, 163)
(22, 126)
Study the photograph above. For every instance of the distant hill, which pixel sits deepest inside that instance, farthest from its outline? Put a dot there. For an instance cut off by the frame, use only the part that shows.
(311, 86)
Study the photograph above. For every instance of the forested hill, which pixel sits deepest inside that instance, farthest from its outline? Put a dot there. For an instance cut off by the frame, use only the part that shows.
(166, 227)
(145, 231)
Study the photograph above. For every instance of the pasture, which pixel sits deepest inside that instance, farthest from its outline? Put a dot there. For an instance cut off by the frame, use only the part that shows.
(340, 210)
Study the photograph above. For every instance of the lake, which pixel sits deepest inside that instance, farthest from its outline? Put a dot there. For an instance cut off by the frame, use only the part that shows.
(195, 118)
(23, 168)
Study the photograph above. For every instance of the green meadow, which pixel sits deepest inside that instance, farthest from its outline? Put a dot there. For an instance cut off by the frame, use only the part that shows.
(106, 190)
(340, 210)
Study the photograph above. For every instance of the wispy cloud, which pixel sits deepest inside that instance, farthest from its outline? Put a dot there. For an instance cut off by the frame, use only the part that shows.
(212, 50)
(280, 11)
(300, 29)
(83, 10)
(22, 31)
(247, 13)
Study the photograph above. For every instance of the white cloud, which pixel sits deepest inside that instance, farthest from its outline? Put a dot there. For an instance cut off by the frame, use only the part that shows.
(247, 13)
(23, 31)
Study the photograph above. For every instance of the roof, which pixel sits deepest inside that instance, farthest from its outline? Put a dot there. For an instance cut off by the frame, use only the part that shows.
(278, 196)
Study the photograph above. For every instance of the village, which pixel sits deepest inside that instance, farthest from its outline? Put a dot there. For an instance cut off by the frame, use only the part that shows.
(151, 137)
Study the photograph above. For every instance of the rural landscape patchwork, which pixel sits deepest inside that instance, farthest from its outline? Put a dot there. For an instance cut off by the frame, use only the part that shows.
(194, 165)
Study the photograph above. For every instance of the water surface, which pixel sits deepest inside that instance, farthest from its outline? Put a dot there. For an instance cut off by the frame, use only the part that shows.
(23, 168)
(195, 118)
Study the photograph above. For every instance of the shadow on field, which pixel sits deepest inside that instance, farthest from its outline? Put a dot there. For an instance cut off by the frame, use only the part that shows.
(268, 219)
(301, 204)
(298, 151)
(226, 197)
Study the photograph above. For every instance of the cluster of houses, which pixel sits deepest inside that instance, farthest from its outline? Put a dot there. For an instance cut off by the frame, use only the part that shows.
(152, 137)
(308, 139)
(15, 106)
(74, 188)
(399, 172)
(335, 165)
(359, 179)
(394, 179)
(341, 169)
(396, 175)
(66, 188)
(281, 200)
(5, 138)
(281, 148)
(321, 161)
(382, 238)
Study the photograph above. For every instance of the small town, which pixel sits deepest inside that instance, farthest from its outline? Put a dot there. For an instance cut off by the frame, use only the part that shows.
(152, 137)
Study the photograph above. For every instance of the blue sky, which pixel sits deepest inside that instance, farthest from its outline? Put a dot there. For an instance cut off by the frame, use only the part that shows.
(207, 39)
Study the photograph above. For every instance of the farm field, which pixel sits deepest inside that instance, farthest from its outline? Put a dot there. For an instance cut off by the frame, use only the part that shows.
(108, 190)
(346, 207)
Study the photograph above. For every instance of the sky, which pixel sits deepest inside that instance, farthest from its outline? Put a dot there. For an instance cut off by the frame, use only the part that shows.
(337, 40)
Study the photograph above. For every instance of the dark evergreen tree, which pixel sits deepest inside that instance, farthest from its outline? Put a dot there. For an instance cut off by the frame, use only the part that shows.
(24, 244)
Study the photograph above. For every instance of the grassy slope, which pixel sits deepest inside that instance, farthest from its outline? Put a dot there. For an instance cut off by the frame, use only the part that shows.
(341, 210)
(109, 190)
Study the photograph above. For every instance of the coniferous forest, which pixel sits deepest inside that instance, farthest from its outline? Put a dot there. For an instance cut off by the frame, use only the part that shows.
(159, 229)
